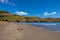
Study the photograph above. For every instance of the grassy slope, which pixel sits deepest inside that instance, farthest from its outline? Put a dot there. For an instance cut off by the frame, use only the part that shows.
(6, 16)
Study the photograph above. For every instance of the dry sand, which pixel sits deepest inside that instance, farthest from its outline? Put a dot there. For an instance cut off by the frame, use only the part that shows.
(13, 31)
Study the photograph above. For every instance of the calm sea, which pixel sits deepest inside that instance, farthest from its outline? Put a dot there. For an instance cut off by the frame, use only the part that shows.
(55, 26)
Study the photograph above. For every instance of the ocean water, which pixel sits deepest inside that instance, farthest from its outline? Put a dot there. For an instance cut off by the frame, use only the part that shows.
(55, 26)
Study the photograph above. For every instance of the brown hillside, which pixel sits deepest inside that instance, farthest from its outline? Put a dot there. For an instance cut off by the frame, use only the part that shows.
(4, 13)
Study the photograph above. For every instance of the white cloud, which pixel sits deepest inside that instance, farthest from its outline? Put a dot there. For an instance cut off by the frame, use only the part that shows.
(11, 3)
(3, 1)
(47, 14)
(7, 2)
(53, 13)
(21, 13)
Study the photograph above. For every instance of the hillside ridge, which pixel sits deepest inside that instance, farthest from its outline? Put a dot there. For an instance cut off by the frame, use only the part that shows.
(6, 16)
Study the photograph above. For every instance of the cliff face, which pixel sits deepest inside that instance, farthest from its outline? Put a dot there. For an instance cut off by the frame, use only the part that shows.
(6, 16)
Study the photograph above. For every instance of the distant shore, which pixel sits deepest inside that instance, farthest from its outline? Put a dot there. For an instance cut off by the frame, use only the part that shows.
(13, 31)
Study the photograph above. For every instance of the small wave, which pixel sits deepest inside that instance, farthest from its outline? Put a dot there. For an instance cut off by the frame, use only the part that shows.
(50, 24)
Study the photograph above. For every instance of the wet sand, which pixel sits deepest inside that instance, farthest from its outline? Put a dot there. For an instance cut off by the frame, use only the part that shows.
(12, 31)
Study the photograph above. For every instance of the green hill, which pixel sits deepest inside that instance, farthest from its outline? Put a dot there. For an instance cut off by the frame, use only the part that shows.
(6, 16)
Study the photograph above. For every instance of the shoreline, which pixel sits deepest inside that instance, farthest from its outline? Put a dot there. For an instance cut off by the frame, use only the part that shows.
(14, 31)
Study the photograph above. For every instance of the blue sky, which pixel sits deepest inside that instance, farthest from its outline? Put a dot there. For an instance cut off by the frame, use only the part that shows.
(38, 8)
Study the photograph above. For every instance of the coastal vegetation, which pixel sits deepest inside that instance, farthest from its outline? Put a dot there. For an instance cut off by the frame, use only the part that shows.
(6, 16)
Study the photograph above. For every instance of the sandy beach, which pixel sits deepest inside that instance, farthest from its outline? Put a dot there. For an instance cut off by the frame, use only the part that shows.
(13, 31)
